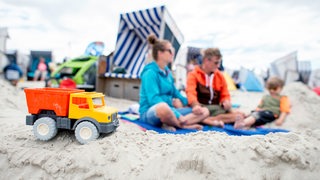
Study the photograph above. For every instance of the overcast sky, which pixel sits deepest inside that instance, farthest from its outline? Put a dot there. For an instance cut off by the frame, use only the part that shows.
(250, 33)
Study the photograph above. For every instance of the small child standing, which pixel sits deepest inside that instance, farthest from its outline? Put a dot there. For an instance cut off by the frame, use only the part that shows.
(273, 107)
(41, 70)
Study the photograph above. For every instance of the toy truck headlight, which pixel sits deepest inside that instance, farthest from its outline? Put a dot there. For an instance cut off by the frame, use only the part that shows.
(114, 116)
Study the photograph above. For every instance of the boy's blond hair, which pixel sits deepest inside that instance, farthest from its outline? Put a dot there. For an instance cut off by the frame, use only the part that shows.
(274, 83)
(210, 52)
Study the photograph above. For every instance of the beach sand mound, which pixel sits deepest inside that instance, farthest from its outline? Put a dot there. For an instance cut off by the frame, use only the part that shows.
(130, 153)
(305, 112)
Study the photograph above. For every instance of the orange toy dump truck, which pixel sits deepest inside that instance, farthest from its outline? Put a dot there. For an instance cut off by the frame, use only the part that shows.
(85, 112)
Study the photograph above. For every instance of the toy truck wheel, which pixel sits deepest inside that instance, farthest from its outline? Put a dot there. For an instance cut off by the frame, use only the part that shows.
(45, 128)
(86, 132)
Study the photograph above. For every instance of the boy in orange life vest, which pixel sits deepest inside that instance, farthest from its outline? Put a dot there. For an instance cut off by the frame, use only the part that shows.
(273, 107)
(207, 87)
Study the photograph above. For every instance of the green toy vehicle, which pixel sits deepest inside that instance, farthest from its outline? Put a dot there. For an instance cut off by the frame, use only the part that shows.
(81, 70)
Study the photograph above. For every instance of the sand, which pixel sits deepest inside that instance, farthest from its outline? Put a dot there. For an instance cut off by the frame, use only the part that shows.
(130, 153)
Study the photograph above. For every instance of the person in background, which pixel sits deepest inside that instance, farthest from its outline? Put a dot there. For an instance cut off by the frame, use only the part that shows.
(41, 70)
(13, 73)
(161, 104)
(191, 65)
(236, 79)
(273, 107)
(206, 87)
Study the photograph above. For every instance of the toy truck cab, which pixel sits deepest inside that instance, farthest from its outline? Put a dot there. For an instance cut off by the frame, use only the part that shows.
(91, 107)
(84, 112)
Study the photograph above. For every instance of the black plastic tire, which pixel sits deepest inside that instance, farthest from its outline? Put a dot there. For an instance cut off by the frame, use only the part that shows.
(45, 128)
(86, 132)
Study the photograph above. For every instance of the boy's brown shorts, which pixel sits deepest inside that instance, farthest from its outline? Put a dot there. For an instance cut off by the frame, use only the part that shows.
(216, 110)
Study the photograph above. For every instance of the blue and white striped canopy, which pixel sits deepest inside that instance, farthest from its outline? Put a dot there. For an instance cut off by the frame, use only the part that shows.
(131, 47)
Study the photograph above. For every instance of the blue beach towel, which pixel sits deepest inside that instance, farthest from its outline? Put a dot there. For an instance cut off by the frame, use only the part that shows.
(227, 128)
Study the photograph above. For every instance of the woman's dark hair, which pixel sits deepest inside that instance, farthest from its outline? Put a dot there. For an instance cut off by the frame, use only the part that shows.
(157, 45)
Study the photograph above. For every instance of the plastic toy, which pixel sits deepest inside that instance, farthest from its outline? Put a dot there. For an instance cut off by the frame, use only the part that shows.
(81, 70)
(84, 112)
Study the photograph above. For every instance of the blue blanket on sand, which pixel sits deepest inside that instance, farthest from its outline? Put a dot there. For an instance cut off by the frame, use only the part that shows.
(228, 128)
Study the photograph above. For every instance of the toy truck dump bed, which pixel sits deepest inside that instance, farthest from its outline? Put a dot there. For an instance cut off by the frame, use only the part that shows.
(39, 99)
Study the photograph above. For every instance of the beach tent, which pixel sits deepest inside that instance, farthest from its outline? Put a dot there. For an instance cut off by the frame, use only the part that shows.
(250, 81)
(230, 83)
(3, 41)
(181, 61)
(314, 80)
(132, 46)
(304, 68)
(286, 68)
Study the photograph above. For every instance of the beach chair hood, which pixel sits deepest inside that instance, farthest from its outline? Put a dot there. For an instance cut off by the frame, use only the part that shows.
(134, 28)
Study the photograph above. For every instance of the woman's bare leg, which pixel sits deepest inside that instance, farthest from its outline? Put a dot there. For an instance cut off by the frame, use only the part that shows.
(191, 120)
(166, 115)
(195, 118)
(226, 118)
(213, 123)
(193, 126)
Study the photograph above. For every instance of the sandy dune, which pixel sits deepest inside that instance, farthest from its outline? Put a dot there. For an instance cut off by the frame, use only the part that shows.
(130, 153)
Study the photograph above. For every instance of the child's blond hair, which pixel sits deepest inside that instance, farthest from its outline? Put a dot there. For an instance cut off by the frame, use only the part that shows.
(274, 83)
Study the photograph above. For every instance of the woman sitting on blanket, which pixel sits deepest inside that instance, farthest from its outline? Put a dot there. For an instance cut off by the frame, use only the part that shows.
(161, 104)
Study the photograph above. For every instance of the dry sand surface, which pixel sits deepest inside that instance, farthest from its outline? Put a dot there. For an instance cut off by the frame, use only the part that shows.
(130, 153)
